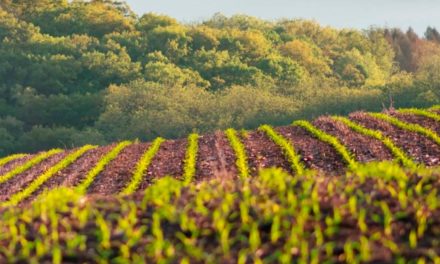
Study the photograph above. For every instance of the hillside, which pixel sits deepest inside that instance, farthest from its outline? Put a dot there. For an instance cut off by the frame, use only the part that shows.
(328, 144)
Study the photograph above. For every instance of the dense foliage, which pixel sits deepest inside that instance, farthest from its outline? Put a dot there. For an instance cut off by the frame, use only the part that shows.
(79, 72)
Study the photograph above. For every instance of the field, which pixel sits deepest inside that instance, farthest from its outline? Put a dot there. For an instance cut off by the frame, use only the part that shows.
(359, 189)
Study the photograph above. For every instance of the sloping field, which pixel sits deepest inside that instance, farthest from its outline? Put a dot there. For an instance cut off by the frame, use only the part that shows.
(328, 144)
(214, 199)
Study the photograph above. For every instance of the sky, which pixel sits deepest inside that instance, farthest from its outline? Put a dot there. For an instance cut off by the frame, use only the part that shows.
(360, 14)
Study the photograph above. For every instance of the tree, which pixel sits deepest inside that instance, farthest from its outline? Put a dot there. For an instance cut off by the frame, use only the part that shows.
(432, 34)
(170, 74)
(94, 18)
(307, 55)
(151, 21)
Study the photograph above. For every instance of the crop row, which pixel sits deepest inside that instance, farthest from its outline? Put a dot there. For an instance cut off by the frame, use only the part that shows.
(10, 158)
(396, 151)
(240, 153)
(329, 139)
(285, 219)
(189, 169)
(99, 167)
(40, 180)
(435, 108)
(29, 164)
(420, 112)
(408, 126)
(142, 166)
(287, 148)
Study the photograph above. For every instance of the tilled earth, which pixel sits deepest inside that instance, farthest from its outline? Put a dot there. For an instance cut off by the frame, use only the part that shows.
(216, 158)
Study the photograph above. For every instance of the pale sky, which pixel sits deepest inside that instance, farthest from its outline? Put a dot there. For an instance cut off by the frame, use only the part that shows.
(338, 13)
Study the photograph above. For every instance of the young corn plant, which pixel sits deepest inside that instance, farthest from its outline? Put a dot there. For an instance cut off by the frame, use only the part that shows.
(90, 177)
(8, 159)
(142, 166)
(408, 126)
(40, 180)
(398, 154)
(240, 152)
(329, 139)
(191, 158)
(434, 108)
(287, 147)
(420, 112)
(29, 164)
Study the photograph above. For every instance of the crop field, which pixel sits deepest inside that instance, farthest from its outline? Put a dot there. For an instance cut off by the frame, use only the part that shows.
(362, 188)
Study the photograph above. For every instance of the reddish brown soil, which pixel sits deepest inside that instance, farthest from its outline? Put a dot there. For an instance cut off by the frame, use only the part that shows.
(226, 155)
(207, 158)
(212, 157)
(263, 153)
(13, 164)
(419, 147)
(315, 154)
(73, 174)
(421, 120)
(20, 181)
(167, 162)
(119, 171)
(364, 149)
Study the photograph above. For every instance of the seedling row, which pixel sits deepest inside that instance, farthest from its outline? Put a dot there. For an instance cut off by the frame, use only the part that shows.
(184, 155)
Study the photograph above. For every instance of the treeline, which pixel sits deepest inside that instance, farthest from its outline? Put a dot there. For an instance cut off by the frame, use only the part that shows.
(77, 72)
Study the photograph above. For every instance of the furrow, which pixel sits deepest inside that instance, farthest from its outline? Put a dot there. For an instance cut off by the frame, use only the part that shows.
(11, 158)
(142, 166)
(420, 148)
(331, 140)
(408, 126)
(398, 153)
(16, 198)
(29, 164)
(288, 149)
(92, 174)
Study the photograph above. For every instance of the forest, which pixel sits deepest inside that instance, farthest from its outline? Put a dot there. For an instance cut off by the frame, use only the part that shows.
(93, 72)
